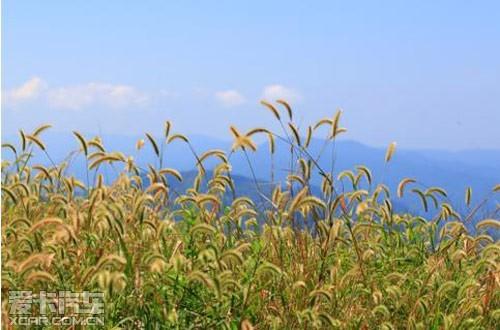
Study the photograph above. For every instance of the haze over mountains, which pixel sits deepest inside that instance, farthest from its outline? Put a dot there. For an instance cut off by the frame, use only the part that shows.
(452, 170)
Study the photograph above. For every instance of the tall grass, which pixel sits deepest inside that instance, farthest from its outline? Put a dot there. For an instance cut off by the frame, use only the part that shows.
(291, 259)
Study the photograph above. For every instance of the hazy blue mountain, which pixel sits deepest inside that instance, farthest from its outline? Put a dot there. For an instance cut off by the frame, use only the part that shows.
(453, 171)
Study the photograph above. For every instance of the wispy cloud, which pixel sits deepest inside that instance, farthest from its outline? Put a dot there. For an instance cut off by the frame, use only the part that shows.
(28, 91)
(77, 96)
(96, 94)
(118, 96)
(274, 92)
(230, 98)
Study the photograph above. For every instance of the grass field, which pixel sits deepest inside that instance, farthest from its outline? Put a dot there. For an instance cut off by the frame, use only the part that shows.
(291, 259)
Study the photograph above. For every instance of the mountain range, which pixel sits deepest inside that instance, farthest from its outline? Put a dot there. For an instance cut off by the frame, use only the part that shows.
(452, 170)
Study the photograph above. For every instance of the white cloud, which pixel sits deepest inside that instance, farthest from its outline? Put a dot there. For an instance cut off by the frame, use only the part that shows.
(230, 98)
(96, 94)
(75, 97)
(28, 91)
(275, 92)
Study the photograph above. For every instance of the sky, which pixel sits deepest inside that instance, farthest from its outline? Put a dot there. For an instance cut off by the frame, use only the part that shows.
(423, 73)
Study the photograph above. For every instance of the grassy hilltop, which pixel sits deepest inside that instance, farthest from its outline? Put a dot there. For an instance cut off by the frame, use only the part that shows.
(292, 256)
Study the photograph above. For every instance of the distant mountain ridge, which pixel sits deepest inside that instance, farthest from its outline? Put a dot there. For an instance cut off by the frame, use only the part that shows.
(452, 170)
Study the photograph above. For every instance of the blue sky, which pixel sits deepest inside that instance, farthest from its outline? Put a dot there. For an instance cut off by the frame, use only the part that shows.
(423, 73)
